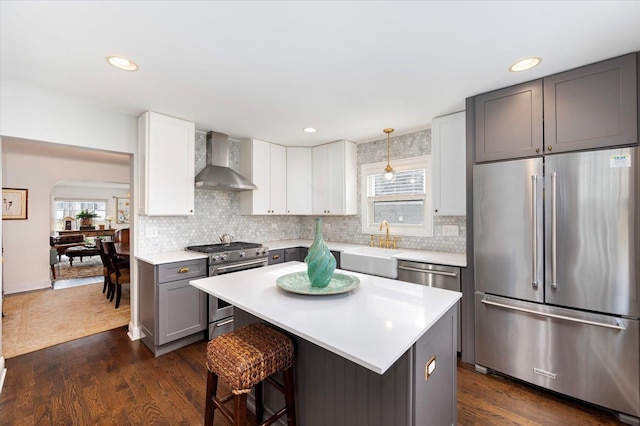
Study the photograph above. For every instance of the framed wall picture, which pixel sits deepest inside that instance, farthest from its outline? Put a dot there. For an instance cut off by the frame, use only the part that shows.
(14, 203)
(122, 210)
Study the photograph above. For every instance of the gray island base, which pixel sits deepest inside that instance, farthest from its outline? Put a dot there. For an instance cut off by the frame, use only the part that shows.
(331, 390)
(382, 354)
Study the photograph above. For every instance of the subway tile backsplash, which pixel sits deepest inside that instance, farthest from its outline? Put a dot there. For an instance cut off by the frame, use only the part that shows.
(218, 212)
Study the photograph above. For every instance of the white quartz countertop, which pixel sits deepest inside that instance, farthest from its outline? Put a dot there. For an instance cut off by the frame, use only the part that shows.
(372, 325)
(439, 258)
(170, 257)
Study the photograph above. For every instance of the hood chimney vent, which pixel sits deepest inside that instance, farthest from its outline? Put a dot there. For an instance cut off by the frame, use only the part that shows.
(217, 174)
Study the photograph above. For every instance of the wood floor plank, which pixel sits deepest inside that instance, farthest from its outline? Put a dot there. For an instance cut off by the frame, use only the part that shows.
(107, 379)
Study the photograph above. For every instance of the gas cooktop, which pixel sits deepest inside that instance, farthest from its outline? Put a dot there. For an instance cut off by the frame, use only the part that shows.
(219, 248)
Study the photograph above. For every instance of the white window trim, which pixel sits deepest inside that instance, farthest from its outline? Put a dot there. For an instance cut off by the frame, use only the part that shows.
(369, 227)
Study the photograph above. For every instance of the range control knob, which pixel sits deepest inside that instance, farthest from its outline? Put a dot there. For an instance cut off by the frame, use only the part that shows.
(242, 254)
(224, 257)
(215, 258)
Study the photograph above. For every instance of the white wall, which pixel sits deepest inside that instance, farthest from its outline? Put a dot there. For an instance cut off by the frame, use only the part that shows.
(26, 242)
(33, 113)
(29, 112)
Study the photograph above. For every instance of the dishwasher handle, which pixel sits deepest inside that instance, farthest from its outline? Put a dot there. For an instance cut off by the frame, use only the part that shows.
(428, 271)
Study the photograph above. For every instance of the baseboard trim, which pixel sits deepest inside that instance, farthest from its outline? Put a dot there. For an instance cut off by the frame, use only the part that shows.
(134, 332)
(3, 373)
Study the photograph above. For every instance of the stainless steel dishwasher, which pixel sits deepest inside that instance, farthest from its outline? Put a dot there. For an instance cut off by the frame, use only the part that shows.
(439, 276)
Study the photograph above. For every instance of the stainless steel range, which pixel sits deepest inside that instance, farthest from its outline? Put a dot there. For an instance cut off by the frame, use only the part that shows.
(224, 259)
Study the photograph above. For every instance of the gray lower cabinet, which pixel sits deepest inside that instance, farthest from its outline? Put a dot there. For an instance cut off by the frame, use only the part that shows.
(509, 122)
(292, 255)
(592, 107)
(276, 256)
(173, 313)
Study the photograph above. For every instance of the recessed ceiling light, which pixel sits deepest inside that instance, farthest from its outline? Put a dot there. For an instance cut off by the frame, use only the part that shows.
(309, 130)
(525, 64)
(122, 63)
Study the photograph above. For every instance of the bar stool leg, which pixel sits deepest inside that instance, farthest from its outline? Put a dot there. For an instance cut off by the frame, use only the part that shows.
(289, 396)
(240, 410)
(212, 388)
(259, 403)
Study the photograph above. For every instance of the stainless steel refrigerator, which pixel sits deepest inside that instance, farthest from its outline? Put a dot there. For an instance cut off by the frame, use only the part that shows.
(557, 274)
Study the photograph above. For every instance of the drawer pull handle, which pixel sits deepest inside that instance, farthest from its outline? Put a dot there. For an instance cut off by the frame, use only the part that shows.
(220, 324)
(428, 271)
(275, 256)
(183, 270)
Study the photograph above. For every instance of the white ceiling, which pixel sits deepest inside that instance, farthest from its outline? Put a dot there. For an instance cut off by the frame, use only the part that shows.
(268, 69)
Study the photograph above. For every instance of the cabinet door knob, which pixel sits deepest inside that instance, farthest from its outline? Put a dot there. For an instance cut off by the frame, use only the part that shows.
(549, 148)
(537, 150)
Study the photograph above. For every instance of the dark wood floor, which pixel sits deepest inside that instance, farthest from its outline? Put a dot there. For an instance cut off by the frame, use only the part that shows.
(107, 379)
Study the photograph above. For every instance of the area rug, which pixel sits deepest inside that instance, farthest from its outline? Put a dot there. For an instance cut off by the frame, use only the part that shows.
(40, 319)
(89, 267)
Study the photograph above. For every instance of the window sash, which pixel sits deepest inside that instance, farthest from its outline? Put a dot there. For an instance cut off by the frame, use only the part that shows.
(65, 207)
(406, 182)
(403, 219)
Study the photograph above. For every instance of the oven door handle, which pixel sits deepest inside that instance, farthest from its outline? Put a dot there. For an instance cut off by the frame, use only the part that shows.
(240, 265)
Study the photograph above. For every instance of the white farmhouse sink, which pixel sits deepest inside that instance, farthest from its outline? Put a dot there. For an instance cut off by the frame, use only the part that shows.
(371, 260)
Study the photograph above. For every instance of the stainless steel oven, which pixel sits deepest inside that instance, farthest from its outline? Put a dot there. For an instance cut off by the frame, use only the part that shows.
(226, 259)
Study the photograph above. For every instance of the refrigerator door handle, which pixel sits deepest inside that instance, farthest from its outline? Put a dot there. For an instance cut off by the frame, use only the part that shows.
(534, 229)
(554, 213)
(617, 326)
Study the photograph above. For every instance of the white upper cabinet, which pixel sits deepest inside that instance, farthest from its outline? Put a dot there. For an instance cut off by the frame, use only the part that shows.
(334, 179)
(299, 180)
(166, 164)
(264, 164)
(448, 158)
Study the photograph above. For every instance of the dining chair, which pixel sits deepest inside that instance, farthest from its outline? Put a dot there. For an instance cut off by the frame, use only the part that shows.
(53, 261)
(118, 274)
(106, 269)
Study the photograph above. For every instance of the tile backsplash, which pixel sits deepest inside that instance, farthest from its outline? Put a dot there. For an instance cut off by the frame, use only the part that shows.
(218, 212)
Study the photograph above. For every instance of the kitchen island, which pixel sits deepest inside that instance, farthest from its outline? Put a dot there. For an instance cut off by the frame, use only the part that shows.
(381, 354)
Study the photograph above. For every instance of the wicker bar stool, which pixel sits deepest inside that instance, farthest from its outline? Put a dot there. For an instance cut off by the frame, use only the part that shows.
(243, 359)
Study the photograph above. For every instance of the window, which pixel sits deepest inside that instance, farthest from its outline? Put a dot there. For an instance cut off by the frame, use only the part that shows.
(70, 208)
(404, 202)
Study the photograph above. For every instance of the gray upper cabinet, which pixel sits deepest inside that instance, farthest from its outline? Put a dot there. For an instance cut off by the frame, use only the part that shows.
(509, 122)
(594, 106)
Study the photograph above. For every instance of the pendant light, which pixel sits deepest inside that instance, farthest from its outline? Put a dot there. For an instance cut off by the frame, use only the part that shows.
(389, 174)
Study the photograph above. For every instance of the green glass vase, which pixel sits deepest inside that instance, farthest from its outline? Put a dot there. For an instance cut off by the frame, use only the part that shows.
(320, 262)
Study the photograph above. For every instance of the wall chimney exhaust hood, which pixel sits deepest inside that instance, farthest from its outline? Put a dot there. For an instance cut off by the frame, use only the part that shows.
(217, 174)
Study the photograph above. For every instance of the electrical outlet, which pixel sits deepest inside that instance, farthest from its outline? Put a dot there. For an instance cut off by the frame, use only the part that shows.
(327, 226)
(450, 230)
(274, 226)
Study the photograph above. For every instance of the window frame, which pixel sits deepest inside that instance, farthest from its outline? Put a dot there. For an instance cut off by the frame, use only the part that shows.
(367, 213)
(59, 223)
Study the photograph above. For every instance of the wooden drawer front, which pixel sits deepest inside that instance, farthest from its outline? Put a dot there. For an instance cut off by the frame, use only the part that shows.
(182, 270)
